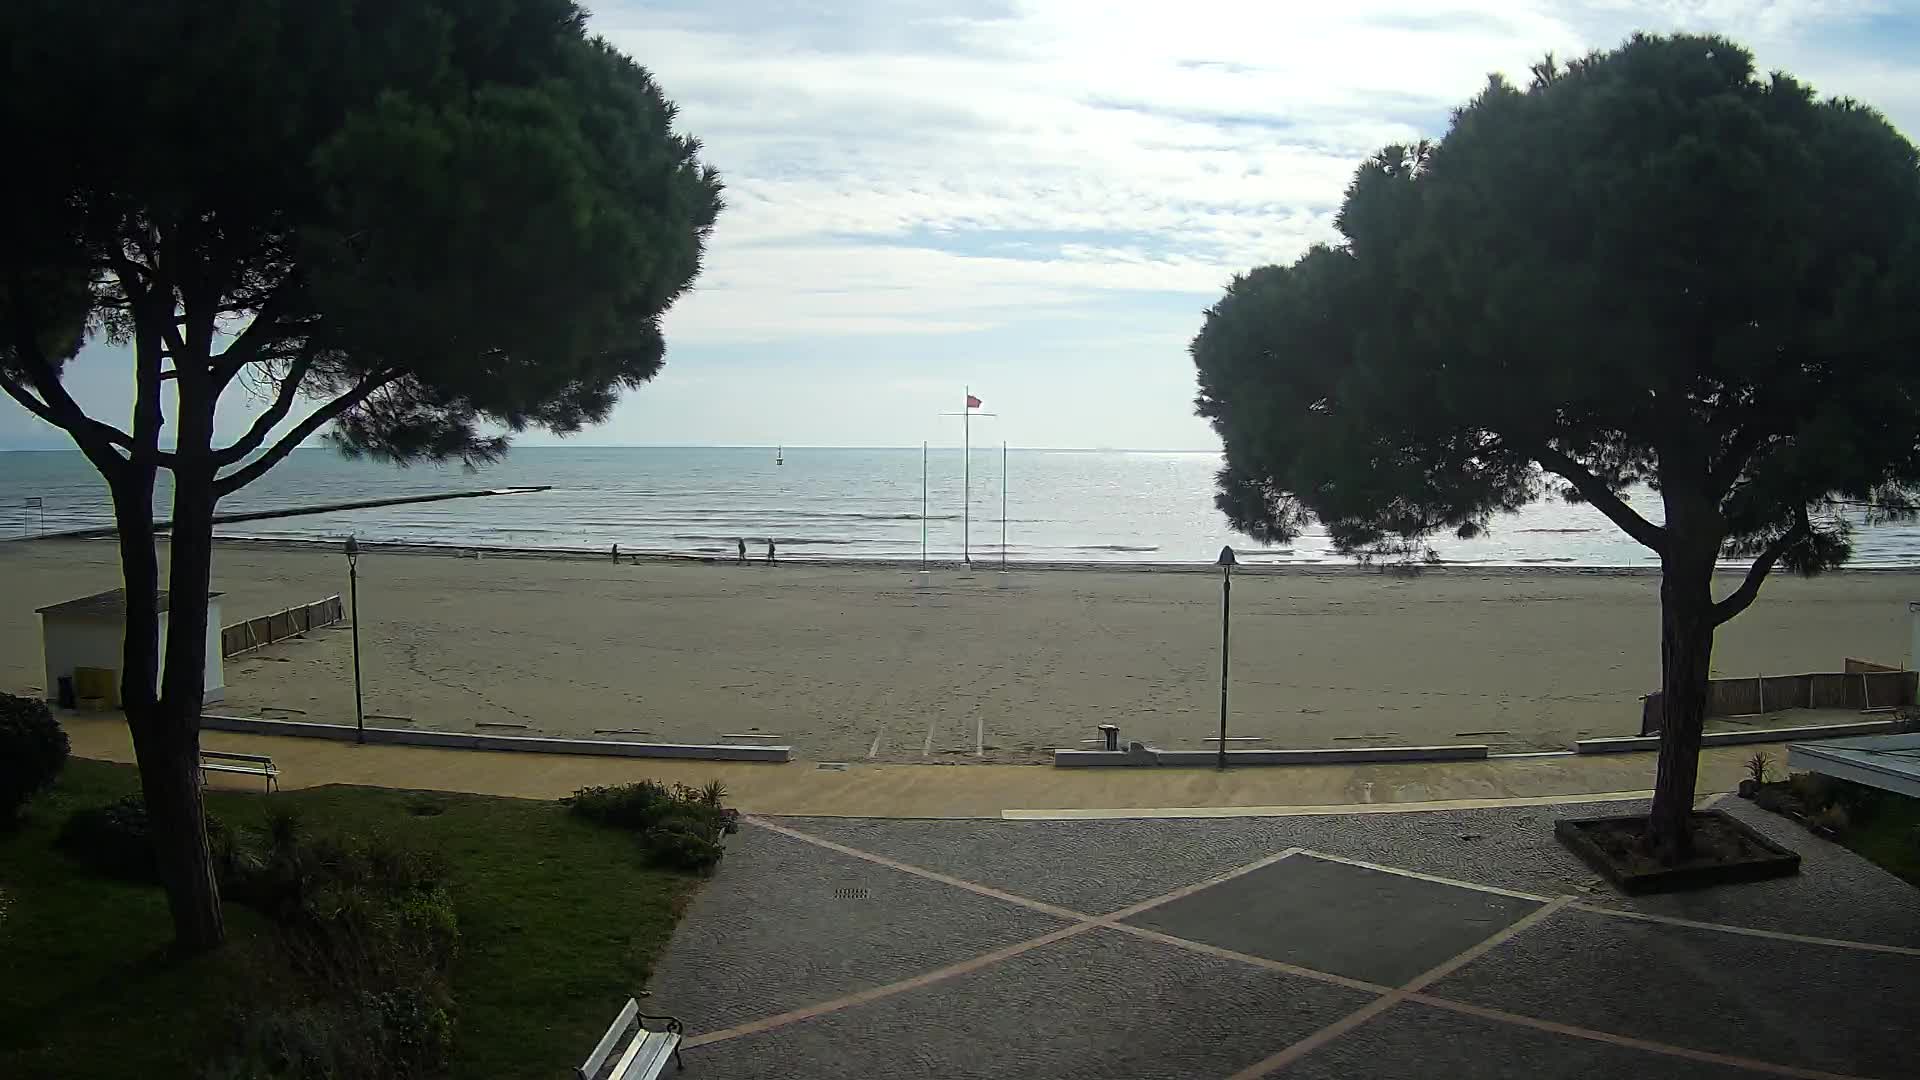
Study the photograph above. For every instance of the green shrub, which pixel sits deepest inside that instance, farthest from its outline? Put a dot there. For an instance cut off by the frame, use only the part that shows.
(372, 923)
(678, 848)
(680, 828)
(303, 1043)
(116, 840)
(33, 749)
(627, 806)
(415, 1031)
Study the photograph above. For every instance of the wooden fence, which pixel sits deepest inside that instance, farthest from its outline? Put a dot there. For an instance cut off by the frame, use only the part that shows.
(267, 629)
(1862, 687)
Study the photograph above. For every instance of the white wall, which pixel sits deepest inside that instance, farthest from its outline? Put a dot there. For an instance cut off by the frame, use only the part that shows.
(71, 643)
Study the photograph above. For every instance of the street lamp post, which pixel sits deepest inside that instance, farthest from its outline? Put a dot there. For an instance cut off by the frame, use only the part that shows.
(1226, 562)
(353, 596)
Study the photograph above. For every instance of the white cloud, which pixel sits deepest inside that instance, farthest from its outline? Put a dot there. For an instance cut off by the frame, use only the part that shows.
(1056, 153)
(1056, 182)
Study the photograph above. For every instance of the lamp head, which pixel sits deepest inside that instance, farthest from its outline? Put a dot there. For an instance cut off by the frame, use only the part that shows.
(1226, 557)
(353, 549)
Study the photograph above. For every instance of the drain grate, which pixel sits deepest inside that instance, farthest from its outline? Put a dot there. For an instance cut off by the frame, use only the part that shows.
(850, 894)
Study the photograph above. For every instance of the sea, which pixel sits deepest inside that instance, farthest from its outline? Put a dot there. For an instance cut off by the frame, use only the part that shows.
(1023, 506)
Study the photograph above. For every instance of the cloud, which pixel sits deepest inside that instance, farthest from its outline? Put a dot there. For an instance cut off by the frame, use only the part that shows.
(1039, 191)
(878, 156)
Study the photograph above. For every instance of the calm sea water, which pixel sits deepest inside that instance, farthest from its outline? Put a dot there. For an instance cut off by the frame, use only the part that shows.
(1060, 506)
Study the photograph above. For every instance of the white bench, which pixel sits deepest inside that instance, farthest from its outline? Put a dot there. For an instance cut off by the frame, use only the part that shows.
(250, 764)
(645, 1051)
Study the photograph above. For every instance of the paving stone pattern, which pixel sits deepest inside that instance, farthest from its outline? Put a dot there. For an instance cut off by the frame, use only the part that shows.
(789, 925)
(1365, 924)
(1098, 1004)
(1414, 1042)
(1813, 1006)
(769, 933)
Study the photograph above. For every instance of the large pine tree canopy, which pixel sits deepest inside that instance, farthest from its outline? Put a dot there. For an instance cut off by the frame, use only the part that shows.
(442, 219)
(1652, 266)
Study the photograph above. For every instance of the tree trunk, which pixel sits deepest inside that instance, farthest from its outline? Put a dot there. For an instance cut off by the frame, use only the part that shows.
(168, 747)
(165, 743)
(179, 817)
(1686, 654)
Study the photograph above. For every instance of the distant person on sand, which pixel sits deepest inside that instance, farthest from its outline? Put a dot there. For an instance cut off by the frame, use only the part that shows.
(743, 549)
(769, 549)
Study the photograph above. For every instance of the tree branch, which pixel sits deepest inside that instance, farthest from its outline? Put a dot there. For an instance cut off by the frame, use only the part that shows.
(98, 449)
(28, 402)
(1602, 497)
(264, 424)
(234, 481)
(245, 349)
(1740, 450)
(56, 406)
(1742, 598)
(143, 285)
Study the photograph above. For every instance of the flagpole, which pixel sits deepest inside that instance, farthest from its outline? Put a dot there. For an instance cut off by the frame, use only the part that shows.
(923, 506)
(1003, 505)
(966, 480)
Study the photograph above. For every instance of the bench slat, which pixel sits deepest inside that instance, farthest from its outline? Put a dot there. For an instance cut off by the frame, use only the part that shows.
(648, 1055)
(628, 1012)
(225, 755)
(250, 770)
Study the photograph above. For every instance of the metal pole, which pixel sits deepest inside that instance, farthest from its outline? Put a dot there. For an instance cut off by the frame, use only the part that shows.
(1003, 504)
(353, 593)
(923, 506)
(966, 480)
(1226, 607)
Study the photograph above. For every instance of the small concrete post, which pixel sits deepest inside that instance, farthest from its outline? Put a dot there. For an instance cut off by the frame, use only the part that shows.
(1111, 734)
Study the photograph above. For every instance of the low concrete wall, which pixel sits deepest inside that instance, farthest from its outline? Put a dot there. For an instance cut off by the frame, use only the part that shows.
(459, 740)
(1340, 756)
(1734, 738)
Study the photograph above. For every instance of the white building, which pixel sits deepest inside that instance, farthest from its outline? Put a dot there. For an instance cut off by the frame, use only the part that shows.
(88, 633)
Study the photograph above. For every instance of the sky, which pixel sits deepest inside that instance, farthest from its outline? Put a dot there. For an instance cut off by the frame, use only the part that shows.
(1038, 200)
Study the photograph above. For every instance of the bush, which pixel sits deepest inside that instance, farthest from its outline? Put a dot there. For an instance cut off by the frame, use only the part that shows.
(415, 1031)
(628, 806)
(680, 828)
(295, 1044)
(33, 749)
(373, 924)
(682, 842)
(116, 840)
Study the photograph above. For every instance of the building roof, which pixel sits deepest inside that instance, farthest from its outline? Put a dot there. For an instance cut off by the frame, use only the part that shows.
(1888, 762)
(111, 604)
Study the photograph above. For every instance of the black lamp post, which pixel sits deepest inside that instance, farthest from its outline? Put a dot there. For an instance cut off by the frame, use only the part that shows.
(1226, 562)
(353, 594)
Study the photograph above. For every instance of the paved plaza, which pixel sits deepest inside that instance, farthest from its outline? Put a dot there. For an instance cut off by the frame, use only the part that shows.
(1442, 944)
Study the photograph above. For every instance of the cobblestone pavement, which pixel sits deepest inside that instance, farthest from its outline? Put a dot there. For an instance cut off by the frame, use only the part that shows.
(1457, 944)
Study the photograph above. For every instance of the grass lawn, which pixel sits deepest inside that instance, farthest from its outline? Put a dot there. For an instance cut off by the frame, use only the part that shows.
(559, 925)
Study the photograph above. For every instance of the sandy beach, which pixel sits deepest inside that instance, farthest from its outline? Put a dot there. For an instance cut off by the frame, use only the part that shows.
(850, 664)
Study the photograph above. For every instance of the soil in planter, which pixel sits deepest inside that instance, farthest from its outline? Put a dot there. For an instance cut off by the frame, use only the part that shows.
(1715, 843)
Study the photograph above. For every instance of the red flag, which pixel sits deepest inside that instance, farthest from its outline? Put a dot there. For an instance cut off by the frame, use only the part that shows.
(972, 402)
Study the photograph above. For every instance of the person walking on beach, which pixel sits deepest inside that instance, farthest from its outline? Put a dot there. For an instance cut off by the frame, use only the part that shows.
(769, 549)
(743, 548)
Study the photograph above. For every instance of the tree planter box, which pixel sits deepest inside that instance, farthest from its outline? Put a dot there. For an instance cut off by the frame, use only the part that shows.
(1726, 851)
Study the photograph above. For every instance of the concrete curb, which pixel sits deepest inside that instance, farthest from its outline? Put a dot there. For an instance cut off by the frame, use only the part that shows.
(1626, 743)
(456, 740)
(1149, 756)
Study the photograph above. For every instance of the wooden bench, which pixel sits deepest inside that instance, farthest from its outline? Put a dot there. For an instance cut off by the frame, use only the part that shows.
(643, 1051)
(250, 764)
